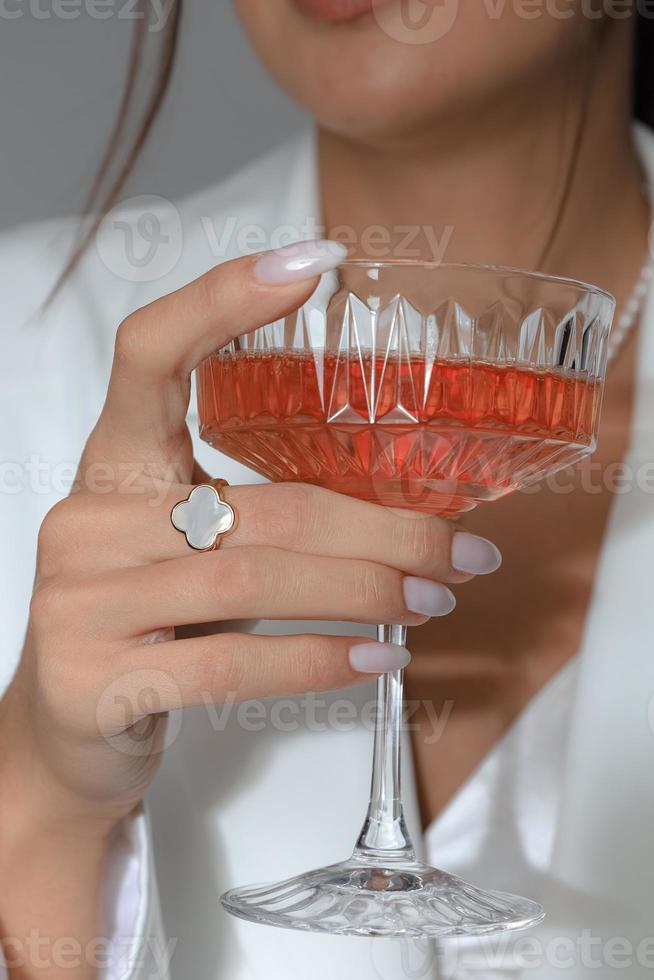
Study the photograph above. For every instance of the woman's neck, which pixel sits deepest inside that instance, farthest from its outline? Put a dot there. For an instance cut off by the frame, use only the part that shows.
(545, 177)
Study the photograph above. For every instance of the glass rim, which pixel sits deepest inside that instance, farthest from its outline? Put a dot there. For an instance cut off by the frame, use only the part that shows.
(479, 267)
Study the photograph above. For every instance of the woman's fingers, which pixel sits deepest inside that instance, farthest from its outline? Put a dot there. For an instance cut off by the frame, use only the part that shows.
(136, 529)
(311, 520)
(239, 666)
(250, 583)
(157, 347)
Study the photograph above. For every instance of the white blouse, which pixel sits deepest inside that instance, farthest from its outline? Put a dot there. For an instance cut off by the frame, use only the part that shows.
(561, 810)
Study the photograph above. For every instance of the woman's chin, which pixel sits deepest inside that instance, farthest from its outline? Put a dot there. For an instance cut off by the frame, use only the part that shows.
(387, 103)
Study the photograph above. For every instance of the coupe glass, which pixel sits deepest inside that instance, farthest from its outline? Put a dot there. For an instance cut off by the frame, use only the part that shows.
(433, 387)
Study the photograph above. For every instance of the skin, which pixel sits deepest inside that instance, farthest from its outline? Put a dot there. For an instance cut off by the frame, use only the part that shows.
(474, 131)
(474, 136)
(80, 762)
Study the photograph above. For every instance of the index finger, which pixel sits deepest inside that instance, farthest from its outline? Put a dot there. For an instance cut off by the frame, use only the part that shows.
(158, 346)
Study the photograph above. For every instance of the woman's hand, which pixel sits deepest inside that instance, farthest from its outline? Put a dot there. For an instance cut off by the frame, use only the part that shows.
(85, 717)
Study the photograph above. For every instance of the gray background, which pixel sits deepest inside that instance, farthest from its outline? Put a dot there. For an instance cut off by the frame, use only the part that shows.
(61, 82)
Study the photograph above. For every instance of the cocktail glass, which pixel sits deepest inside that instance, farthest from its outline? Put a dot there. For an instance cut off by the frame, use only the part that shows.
(433, 387)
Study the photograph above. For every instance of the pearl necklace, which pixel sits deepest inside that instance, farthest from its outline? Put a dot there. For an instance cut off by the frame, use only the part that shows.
(631, 312)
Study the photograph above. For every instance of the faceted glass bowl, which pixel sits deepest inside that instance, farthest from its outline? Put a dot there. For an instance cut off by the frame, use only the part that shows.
(434, 387)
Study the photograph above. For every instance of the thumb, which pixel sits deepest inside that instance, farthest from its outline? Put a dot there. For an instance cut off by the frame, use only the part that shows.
(157, 347)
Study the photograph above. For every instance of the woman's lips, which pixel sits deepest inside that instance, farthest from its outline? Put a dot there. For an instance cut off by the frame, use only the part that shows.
(338, 9)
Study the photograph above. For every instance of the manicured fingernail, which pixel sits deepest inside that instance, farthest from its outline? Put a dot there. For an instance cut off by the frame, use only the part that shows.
(427, 598)
(301, 260)
(474, 555)
(378, 658)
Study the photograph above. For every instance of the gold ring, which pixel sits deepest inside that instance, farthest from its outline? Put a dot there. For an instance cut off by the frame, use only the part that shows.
(204, 517)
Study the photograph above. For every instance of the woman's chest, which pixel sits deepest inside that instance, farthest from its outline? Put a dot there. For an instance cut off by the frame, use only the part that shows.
(474, 672)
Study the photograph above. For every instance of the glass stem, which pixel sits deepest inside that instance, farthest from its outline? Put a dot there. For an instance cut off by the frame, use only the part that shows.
(384, 833)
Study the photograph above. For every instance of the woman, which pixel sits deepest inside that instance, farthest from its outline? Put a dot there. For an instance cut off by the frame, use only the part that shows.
(477, 133)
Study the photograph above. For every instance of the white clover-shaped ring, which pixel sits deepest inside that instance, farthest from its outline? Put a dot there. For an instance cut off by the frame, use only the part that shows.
(203, 517)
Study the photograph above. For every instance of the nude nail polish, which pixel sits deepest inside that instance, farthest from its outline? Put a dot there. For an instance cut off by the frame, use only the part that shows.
(301, 260)
(427, 598)
(474, 555)
(378, 658)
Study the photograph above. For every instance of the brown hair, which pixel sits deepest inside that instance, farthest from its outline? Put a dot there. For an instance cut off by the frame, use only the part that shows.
(121, 151)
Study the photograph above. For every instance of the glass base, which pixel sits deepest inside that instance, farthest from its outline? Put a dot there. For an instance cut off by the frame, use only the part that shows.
(359, 898)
